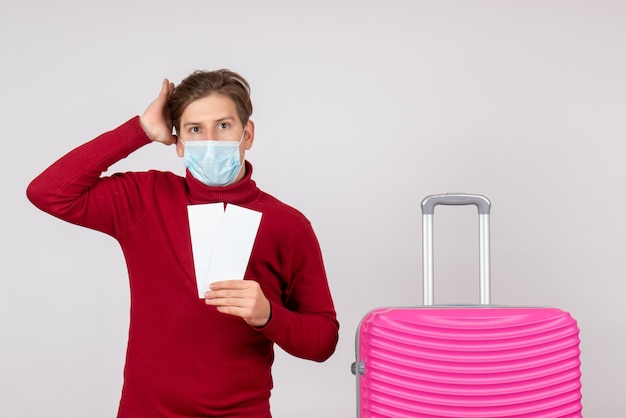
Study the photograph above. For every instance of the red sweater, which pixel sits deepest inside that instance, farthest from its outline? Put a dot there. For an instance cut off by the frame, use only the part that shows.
(183, 357)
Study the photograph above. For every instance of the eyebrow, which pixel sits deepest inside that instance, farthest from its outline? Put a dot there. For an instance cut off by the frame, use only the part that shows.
(224, 119)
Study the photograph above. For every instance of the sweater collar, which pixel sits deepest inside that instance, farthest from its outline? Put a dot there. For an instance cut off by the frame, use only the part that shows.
(242, 192)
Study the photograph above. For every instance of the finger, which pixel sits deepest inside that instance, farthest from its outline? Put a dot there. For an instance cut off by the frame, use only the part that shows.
(228, 294)
(231, 284)
(165, 90)
(228, 302)
(232, 310)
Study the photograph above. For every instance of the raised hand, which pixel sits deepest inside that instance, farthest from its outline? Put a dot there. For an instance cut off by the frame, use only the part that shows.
(155, 121)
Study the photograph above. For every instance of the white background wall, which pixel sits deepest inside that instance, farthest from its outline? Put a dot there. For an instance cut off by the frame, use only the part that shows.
(362, 108)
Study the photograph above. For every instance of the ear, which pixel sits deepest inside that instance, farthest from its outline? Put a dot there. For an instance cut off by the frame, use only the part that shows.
(180, 148)
(248, 138)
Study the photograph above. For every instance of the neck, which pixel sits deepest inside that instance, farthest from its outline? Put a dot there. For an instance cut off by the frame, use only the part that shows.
(243, 191)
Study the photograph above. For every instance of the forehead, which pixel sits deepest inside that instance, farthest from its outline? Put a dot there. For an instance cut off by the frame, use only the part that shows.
(209, 109)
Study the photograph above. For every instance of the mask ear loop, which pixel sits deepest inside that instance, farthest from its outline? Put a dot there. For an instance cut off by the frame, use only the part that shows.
(175, 133)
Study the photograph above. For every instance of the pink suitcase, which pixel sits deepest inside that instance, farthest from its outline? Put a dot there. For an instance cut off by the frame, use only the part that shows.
(481, 361)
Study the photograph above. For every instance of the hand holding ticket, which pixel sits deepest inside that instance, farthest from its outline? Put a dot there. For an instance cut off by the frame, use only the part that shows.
(222, 241)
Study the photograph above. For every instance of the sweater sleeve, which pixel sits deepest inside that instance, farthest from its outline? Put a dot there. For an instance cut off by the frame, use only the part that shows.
(305, 325)
(72, 188)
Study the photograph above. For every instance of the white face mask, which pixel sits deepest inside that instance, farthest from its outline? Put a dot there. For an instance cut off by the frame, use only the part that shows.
(214, 163)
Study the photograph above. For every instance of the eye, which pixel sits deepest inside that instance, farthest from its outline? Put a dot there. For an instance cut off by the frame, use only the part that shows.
(195, 129)
(223, 125)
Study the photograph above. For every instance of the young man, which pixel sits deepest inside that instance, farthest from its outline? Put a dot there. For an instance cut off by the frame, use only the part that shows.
(188, 356)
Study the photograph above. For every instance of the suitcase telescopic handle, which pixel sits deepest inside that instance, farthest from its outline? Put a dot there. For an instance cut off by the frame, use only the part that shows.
(428, 257)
